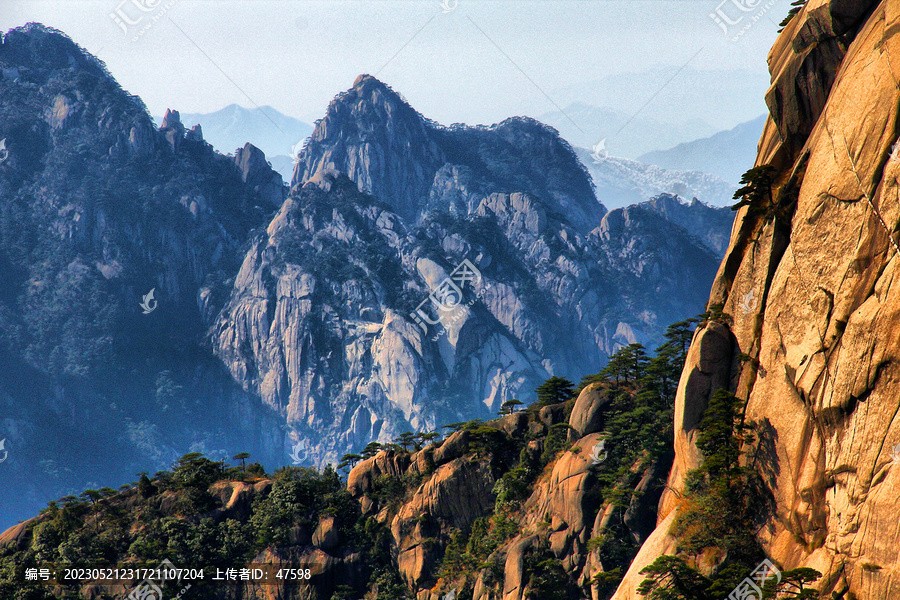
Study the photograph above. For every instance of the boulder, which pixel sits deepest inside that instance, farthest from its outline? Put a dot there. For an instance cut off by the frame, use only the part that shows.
(326, 535)
(455, 446)
(15, 535)
(587, 414)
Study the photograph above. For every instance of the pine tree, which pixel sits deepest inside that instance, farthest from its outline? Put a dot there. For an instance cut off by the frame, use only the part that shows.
(671, 578)
(554, 391)
(756, 192)
(242, 456)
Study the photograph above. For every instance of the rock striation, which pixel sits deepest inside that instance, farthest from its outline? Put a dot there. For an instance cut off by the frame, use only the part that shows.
(329, 319)
(100, 208)
(163, 298)
(811, 290)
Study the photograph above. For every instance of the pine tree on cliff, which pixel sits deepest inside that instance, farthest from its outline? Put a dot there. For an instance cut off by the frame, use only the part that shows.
(554, 391)
(756, 192)
(671, 578)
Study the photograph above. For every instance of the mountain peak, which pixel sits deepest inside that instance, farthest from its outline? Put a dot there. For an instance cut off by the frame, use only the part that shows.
(363, 78)
(369, 88)
(374, 136)
(39, 47)
(390, 150)
(368, 83)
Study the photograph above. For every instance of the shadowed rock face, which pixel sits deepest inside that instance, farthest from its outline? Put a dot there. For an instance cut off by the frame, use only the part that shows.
(454, 484)
(814, 300)
(390, 151)
(323, 324)
(99, 208)
(316, 314)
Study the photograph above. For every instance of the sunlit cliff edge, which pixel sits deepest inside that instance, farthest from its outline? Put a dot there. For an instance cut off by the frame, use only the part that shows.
(810, 287)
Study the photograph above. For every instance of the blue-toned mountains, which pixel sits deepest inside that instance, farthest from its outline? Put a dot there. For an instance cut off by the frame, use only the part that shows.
(97, 208)
(329, 320)
(293, 317)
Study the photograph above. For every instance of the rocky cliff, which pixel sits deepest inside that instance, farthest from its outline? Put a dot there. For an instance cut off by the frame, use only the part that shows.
(392, 152)
(809, 284)
(160, 297)
(334, 319)
(531, 505)
(100, 212)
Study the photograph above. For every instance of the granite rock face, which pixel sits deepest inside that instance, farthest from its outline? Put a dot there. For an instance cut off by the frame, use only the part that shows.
(164, 298)
(815, 306)
(391, 151)
(560, 514)
(103, 212)
(329, 319)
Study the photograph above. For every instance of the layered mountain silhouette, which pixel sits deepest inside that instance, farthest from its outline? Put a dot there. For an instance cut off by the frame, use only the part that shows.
(725, 154)
(414, 274)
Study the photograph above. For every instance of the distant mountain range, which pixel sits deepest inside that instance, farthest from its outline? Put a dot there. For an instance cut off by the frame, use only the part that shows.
(727, 154)
(627, 135)
(673, 95)
(272, 132)
(329, 319)
(620, 182)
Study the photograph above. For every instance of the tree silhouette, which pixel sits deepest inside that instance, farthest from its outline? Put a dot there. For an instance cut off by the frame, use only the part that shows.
(670, 578)
(92, 495)
(349, 460)
(796, 7)
(145, 486)
(681, 333)
(756, 192)
(406, 440)
(509, 407)
(371, 449)
(793, 585)
(430, 437)
(242, 456)
(554, 391)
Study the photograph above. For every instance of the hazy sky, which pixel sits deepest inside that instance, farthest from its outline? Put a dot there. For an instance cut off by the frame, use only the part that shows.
(466, 61)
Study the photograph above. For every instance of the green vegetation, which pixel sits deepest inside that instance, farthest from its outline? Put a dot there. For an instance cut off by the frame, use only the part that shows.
(554, 391)
(758, 194)
(174, 516)
(545, 575)
(510, 406)
(182, 515)
(725, 502)
(796, 7)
